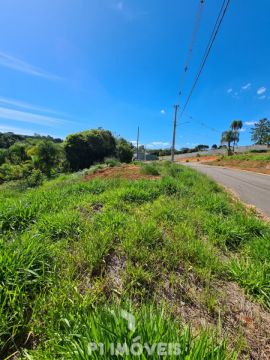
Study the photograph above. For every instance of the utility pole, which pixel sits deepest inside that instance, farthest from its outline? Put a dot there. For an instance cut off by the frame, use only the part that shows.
(138, 135)
(176, 107)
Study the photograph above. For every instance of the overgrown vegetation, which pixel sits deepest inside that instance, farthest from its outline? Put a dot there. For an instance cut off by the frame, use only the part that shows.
(27, 158)
(72, 251)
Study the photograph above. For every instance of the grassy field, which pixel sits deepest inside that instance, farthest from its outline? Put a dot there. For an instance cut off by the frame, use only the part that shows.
(257, 162)
(174, 250)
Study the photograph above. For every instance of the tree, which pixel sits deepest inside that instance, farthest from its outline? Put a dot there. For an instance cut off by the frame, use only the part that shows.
(85, 148)
(236, 126)
(229, 137)
(260, 134)
(3, 154)
(214, 146)
(17, 153)
(201, 147)
(124, 150)
(46, 156)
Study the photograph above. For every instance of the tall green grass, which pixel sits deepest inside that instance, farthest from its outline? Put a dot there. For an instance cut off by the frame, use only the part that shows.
(71, 248)
(104, 333)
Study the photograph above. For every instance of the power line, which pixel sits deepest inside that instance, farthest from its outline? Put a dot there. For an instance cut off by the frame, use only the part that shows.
(215, 31)
(192, 43)
(187, 63)
(202, 123)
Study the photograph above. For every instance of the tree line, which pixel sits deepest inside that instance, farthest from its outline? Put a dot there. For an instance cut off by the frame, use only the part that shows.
(260, 134)
(32, 158)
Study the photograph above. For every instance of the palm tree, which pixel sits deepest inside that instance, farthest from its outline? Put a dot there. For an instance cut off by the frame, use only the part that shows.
(229, 137)
(236, 125)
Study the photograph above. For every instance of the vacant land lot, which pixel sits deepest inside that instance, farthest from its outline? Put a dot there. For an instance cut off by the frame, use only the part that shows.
(174, 250)
(249, 161)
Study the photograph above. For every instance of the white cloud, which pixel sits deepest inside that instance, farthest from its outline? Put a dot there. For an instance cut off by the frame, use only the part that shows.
(158, 144)
(163, 112)
(16, 130)
(14, 63)
(229, 90)
(29, 117)
(261, 90)
(250, 123)
(246, 87)
(242, 130)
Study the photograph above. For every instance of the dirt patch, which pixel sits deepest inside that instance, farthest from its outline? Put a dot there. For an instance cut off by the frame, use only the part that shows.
(130, 172)
(115, 269)
(201, 159)
(245, 323)
(243, 317)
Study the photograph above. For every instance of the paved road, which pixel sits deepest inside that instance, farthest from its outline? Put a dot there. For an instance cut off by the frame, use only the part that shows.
(252, 188)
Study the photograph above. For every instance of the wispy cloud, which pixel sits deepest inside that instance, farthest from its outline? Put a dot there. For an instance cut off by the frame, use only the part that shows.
(229, 91)
(18, 130)
(261, 90)
(11, 109)
(24, 105)
(250, 123)
(29, 117)
(262, 97)
(163, 112)
(246, 87)
(17, 64)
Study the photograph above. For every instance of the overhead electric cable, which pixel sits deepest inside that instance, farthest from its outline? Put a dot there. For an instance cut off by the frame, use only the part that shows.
(202, 123)
(215, 31)
(192, 43)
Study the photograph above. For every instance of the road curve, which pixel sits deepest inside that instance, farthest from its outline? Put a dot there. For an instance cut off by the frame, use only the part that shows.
(252, 188)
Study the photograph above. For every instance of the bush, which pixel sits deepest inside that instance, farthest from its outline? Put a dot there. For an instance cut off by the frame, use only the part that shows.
(88, 147)
(149, 169)
(259, 151)
(124, 151)
(111, 162)
(36, 178)
(47, 156)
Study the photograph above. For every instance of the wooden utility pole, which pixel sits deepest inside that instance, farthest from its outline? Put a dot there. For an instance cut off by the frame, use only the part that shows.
(176, 107)
(138, 135)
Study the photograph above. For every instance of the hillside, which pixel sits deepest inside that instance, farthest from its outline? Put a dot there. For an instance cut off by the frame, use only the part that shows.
(167, 245)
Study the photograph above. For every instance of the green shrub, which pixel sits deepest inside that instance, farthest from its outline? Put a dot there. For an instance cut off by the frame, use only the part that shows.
(124, 151)
(111, 162)
(36, 178)
(149, 169)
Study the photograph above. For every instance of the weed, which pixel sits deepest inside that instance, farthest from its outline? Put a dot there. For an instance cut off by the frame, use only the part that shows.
(149, 169)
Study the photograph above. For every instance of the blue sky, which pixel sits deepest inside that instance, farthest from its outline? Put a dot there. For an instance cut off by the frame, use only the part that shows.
(71, 65)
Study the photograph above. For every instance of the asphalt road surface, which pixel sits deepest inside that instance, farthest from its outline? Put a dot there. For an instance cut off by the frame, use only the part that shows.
(252, 188)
